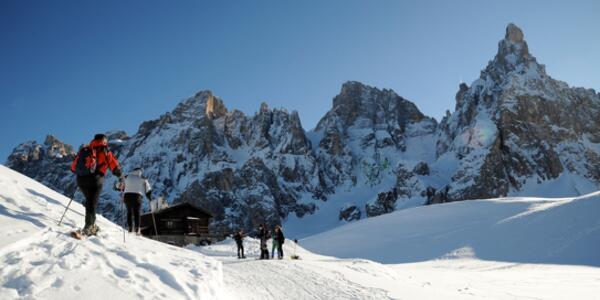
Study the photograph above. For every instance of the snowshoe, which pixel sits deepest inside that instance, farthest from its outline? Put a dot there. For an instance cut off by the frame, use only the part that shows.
(91, 230)
(76, 234)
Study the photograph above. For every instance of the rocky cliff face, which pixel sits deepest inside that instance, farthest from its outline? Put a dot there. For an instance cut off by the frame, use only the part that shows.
(245, 169)
(49, 162)
(365, 134)
(515, 130)
(516, 125)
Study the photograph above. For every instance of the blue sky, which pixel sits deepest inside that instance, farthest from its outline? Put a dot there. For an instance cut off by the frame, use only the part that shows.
(74, 68)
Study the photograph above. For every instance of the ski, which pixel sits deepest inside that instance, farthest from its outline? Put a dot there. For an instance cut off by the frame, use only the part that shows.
(77, 235)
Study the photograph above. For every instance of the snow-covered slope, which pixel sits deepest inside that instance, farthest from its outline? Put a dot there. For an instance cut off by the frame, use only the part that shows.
(41, 261)
(312, 277)
(516, 230)
(454, 277)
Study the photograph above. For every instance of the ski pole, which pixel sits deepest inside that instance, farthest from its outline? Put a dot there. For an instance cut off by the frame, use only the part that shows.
(67, 208)
(123, 212)
(154, 222)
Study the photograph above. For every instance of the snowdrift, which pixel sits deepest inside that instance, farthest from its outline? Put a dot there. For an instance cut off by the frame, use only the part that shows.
(40, 260)
(523, 230)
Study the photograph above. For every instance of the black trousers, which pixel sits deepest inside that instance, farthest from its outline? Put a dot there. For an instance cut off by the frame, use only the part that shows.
(264, 251)
(240, 249)
(280, 250)
(133, 201)
(90, 186)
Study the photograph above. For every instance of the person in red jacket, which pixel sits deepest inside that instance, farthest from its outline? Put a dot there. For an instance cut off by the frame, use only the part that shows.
(91, 184)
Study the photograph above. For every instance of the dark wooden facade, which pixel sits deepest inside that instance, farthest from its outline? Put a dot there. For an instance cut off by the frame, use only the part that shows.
(179, 224)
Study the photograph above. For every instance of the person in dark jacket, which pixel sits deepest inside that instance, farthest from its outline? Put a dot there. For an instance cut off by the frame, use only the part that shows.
(239, 240)
(263, 235)
(91, 185)
(278, 235)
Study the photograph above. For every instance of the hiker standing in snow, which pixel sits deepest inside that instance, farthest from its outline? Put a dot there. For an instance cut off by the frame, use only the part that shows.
(239, 240)
(274, 242)
(263, 235)
(135, 187)
(278, 240)
(90, 166)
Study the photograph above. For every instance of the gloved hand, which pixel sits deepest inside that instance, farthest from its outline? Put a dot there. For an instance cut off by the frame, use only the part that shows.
(117, 186)
(117, 172)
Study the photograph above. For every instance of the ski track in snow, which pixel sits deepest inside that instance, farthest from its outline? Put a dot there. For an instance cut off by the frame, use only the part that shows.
(311, 277)
(458, 276)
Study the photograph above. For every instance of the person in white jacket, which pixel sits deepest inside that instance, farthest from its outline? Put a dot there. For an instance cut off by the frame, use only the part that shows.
(135, 187)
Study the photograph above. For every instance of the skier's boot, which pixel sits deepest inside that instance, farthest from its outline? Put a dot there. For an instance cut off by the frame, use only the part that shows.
(90, 230)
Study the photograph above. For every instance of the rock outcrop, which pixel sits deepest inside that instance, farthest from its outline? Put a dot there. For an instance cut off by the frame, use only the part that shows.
(516, 125)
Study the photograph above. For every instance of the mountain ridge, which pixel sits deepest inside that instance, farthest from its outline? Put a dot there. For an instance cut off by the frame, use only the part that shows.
(514, 130)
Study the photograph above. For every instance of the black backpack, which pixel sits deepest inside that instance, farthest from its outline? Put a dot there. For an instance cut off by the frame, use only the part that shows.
(86, 162)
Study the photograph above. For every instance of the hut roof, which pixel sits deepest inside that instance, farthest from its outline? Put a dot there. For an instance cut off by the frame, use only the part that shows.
(183, 205)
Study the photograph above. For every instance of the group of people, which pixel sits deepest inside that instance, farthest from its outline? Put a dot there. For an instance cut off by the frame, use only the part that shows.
(90, 167)
(276, 235)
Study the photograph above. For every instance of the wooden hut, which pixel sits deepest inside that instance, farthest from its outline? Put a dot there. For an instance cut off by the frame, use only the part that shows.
(180, 225)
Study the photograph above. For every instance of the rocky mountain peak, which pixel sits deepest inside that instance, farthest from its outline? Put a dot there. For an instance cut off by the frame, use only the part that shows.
(215, 107)
(366, 106)
(202, 104)
(513, 44)
(514, 33)
(51, 159)
(264, 108)
(516, 125)
(117, 135)
(513, 129)
(350, 87)
(56, 148)
(50, 140)
(351, 95)
(513, 55)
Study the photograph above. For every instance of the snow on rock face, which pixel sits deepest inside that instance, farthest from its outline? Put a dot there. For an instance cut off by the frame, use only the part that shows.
(516, 123)
(367, 130)
(513, 129)
(245, 169)
(253, 169)
(50, 161)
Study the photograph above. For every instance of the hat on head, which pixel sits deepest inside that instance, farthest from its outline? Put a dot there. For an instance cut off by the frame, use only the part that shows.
(100, 136)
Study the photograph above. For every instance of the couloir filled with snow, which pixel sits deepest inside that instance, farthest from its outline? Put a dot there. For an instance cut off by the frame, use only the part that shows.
(510, 248)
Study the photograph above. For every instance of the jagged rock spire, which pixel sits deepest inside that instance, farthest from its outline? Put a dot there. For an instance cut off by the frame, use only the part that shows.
(215, 107)
(514, 33)
(513, 55)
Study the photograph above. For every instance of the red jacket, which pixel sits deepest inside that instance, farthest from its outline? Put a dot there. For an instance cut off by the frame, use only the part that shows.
(105, 158)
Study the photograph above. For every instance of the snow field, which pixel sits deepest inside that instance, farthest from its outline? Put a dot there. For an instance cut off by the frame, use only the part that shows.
(513, 248)
(41, 261)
